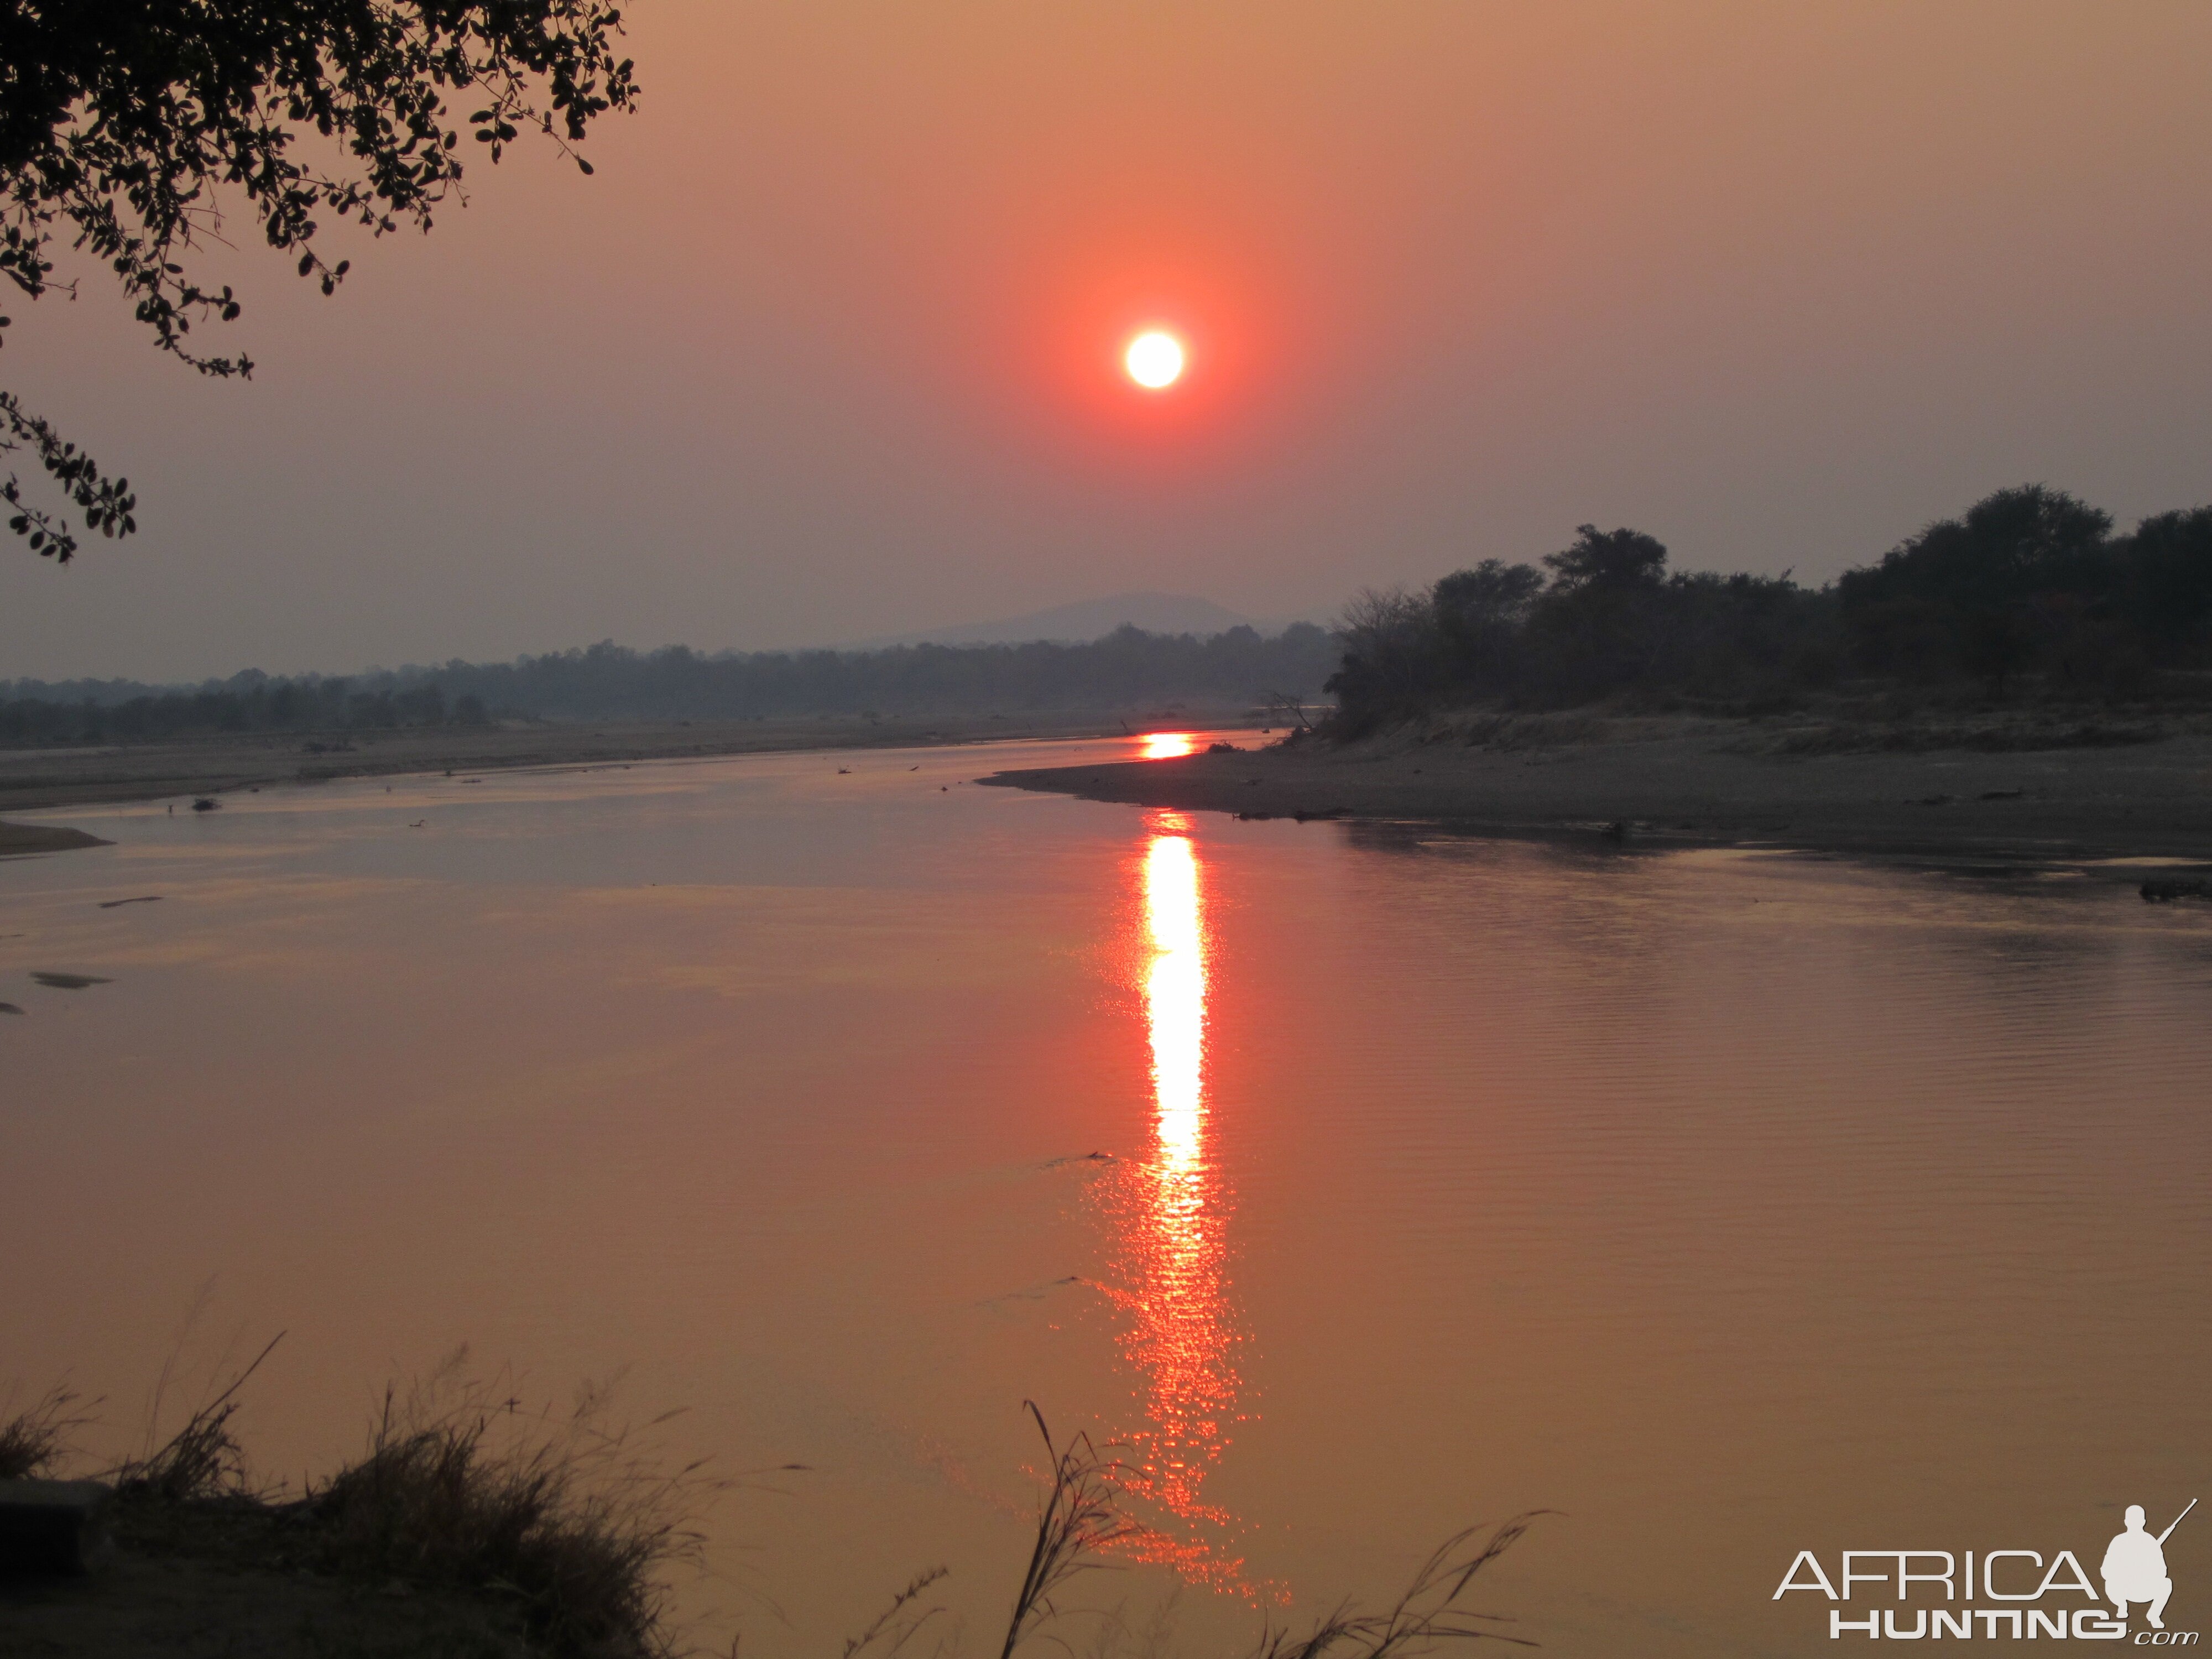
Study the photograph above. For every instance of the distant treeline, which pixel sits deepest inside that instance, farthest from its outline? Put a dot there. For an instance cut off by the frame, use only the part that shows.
(1127, 669)
(2030, 583)
(261, 704)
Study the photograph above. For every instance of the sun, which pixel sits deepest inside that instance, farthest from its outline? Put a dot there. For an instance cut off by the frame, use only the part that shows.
(1154, 360)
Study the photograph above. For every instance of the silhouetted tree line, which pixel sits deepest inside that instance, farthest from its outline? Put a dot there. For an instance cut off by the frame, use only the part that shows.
(262, 705)
(1128, 668)
(2029, 582)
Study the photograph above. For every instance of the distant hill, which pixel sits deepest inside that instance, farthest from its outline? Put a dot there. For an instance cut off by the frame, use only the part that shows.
(1081, 623)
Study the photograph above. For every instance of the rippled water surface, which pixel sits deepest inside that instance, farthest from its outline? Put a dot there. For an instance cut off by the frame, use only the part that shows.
(1362, 1182)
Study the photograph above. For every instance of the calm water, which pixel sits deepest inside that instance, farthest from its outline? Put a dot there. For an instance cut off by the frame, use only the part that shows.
(1731, 1203)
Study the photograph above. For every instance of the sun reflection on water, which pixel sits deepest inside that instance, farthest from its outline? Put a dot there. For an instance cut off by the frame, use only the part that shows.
(1175, 1005)
(1166, 745)
(1182, 1330)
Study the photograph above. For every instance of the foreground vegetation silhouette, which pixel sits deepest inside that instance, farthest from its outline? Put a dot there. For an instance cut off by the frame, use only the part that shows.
(123, 127)
(570, 1533)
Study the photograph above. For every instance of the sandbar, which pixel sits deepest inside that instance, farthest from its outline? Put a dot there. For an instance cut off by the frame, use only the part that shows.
(2114, 793)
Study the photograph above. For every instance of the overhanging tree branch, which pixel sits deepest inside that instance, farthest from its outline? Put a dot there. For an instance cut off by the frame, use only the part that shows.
(122, 129)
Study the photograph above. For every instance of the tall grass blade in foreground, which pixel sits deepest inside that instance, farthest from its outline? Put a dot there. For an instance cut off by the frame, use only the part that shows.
(899, 1621)
(202, 1460)
(1078, 1519)
(1428, 1612)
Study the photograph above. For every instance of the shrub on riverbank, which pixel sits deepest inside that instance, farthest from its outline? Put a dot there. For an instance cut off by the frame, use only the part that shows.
(558, 1515)
(33, 1440)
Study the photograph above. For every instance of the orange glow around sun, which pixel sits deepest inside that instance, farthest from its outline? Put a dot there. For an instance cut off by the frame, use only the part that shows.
(1081, 320)
(1154, 360)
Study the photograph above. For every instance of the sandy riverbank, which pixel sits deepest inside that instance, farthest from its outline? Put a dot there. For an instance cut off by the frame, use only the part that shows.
(43, 778)
(19, 838)
(1983, 788)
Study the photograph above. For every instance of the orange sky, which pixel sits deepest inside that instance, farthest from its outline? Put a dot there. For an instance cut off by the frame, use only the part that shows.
(828, 346)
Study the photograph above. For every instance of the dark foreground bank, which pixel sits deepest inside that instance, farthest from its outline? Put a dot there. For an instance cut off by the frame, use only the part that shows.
(2002, 786)
(226, 1576)
(444, 1543)
(466, 1530)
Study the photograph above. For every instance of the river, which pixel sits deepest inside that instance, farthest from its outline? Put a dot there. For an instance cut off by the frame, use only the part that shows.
(1358, 1183)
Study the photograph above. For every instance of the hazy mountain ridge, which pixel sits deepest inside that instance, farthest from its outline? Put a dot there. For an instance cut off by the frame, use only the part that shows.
(1080, 623)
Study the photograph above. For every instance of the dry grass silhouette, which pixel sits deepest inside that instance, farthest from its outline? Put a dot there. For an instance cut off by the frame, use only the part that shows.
(33, 1440)
(572, 1524)
(565, 1516)
(1079, 1518)
(201, 1460)
(1430, 1612)
(898, 1624)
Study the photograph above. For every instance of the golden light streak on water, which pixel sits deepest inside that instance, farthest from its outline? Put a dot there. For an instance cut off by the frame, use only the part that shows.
(1172, 1277)
(1175, 1003)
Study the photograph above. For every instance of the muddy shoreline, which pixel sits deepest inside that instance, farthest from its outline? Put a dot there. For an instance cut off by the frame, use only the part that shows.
(1707, 782)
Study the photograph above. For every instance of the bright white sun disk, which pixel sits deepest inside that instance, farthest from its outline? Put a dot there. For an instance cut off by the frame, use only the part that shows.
(1155, 359)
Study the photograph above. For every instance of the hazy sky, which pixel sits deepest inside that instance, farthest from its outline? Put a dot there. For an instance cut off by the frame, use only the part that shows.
(827, 347)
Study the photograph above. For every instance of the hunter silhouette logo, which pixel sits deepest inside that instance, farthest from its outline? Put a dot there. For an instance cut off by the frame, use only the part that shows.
(2135, 1566)
(1941, 1593)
